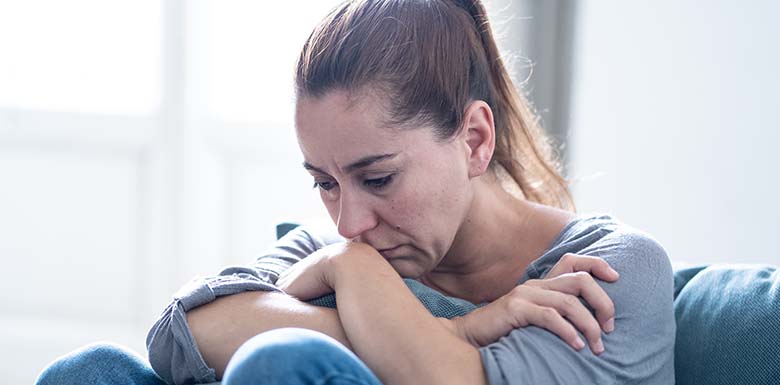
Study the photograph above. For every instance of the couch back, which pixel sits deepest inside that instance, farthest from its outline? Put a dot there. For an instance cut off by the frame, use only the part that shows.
(728, 325)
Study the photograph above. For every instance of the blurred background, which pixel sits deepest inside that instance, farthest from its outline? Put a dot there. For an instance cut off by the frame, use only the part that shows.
(145, 142)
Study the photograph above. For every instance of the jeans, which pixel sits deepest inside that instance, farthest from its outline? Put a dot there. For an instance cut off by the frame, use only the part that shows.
(289, 356)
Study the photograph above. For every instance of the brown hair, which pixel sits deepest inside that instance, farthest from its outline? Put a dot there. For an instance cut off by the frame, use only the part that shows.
(429, 59)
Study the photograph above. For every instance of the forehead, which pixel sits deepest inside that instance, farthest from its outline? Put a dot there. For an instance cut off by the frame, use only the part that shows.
(342, 128)
(342, 114)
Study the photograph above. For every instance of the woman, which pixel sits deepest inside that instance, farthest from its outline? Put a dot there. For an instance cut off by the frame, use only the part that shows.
(444, 195)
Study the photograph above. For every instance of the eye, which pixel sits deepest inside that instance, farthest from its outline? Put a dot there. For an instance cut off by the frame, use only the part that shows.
(378, 183)
(324, 185)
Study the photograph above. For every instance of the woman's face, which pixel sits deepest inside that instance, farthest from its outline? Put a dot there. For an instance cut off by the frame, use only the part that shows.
(398, 190)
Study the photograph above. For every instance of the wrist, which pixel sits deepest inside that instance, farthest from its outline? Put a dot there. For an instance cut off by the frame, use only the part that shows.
(355, 259)
(456, 326)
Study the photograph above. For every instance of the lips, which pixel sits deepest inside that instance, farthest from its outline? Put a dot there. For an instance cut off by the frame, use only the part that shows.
(388, 252)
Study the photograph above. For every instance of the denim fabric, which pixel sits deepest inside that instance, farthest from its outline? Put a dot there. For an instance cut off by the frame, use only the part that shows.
(273, 357)
(294, 356)
(99, 364)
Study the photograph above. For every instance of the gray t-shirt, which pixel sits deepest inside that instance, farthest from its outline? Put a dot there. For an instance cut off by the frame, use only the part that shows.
(639, 351)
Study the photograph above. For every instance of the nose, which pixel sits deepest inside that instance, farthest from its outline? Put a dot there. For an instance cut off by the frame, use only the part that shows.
(355, 216)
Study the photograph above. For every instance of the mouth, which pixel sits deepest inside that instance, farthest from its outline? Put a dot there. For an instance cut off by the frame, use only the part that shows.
(388, 252)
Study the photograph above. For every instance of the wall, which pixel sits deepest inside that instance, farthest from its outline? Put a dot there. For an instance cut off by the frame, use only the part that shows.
(674, 123)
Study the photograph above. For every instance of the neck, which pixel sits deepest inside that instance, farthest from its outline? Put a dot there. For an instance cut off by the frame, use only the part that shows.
(500, 236)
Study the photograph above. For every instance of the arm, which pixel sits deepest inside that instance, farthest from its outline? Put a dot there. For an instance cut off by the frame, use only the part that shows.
(367, 284)
(639, 350)
(220, 327)
(193, 338)
(175, 350)
(291, 248)
(393, 333)
(403, 344)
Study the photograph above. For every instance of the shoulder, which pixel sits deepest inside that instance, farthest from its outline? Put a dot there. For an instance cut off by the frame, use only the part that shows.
(606, 237)
(627, 247)
(646, 283)
(644, 314)
(646, 275)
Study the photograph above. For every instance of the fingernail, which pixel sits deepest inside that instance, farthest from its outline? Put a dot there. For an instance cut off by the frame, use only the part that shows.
(599, 347)
(609, 326)
(579, 344)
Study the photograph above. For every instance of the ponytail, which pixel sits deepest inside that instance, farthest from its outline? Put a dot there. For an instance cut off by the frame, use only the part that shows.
(522, 148)
(430, 59)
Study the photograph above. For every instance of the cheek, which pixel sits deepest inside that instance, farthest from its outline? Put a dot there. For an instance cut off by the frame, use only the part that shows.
(406, 209)
(425, 211)
(443, 207)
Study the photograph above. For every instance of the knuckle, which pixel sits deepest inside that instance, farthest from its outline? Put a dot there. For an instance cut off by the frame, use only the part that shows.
(517, 290)
(548, 315)
(582, 277)
(592, 330)
(523, 291)
(530, 282)
(569, 333)
(514, 304)
(570, 302)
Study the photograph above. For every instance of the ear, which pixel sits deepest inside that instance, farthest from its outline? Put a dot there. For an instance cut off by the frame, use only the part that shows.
(479, 135)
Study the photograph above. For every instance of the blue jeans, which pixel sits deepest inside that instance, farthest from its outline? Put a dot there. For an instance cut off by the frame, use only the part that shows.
(290, 356)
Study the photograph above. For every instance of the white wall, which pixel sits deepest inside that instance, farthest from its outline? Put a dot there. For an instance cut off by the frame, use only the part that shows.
(675, 123)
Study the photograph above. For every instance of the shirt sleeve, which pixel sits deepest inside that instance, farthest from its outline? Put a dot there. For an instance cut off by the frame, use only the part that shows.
(639, 350)
(173, 353)
(294, 246)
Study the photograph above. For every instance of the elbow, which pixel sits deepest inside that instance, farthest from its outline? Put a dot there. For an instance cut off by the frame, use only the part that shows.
(173, 353)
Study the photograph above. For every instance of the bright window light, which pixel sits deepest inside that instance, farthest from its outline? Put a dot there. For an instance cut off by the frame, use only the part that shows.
(90, 56)
(252, 49)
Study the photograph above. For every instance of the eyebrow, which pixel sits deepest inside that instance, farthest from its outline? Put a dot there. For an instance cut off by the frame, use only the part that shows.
(360, 163)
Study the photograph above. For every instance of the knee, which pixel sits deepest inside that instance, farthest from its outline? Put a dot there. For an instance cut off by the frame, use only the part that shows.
(290, 343)
(99, 363)
(281, 352)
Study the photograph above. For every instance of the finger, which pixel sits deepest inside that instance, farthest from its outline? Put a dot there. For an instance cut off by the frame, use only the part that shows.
(564, 266)
(581, 284)
(597, 267)
(572, 309)
(549, 318)
(571, 263)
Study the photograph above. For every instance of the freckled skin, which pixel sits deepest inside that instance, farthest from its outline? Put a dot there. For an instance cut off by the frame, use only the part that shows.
(460, 232)
(428, 197)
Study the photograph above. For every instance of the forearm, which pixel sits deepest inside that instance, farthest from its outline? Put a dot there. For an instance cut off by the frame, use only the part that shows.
(395, 335)
(220, 327)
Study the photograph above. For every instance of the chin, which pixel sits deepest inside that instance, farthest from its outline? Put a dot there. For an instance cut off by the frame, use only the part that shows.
(406, 267)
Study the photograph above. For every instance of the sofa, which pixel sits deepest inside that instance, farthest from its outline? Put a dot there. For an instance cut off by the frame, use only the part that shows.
(728, 325)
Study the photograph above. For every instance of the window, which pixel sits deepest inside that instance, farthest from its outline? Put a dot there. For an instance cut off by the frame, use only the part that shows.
(90, 56)
(252, 49)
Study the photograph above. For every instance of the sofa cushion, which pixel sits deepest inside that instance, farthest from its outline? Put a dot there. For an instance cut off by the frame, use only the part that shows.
(728, 325)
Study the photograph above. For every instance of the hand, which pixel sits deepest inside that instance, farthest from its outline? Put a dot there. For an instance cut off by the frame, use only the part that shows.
(545, 303)
(596, 267)
(314, 276)
(308, 278)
